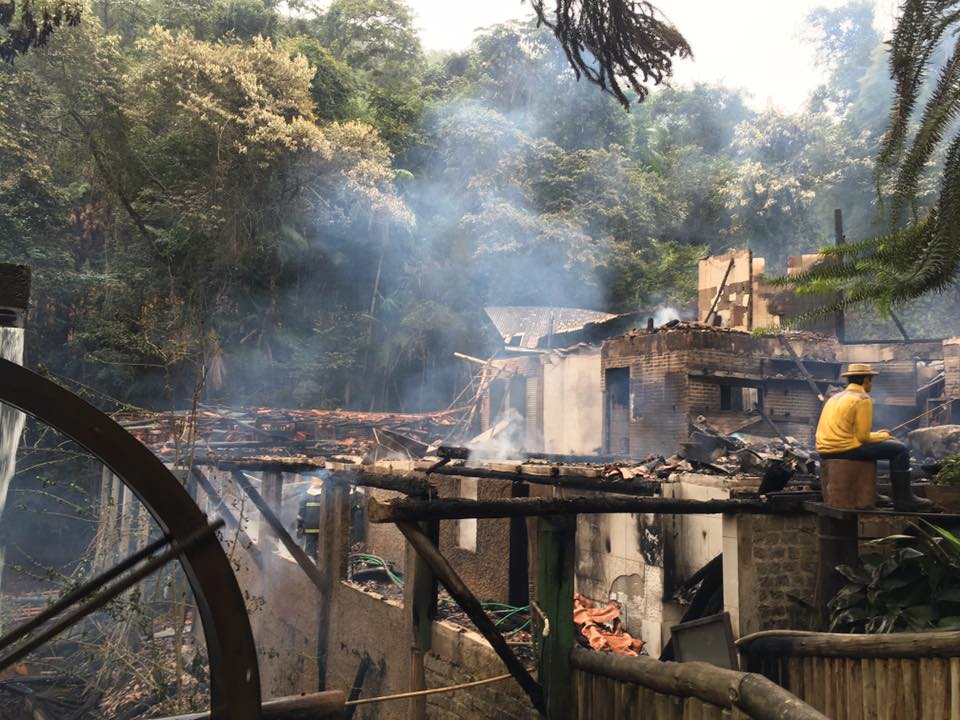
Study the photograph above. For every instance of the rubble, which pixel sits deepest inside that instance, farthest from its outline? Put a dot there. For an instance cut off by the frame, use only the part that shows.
(226, 432)
(935, 442)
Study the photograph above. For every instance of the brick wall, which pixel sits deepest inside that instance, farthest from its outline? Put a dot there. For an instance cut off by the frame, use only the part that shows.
(769, 574)
(665, 396)
(951, 367)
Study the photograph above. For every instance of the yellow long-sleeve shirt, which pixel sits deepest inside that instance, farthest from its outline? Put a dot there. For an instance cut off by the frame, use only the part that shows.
(846, 421)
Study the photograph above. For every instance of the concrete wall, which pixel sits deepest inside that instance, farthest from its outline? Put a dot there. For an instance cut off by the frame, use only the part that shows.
(483, 564)
(281, 601)
(572, 402)
(640, 560)
(485, 569)
(619, 557)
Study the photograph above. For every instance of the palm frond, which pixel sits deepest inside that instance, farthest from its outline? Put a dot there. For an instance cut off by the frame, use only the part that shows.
(941, 109)
(919, 28)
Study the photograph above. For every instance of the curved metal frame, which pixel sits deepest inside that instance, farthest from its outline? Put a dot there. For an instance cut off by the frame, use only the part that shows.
(234, 673)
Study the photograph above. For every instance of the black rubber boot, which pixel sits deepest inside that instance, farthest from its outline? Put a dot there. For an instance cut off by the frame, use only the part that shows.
(903, 497)
(883, 501)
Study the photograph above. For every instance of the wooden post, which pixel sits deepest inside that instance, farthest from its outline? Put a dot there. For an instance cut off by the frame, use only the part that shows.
(839, 239)
(556, 551)
(272, 492)
(519, 571)
(296, 707)
(420, 596)
(104, 521)
(837, 542)
(472, 607)
(332, 558)
(126, 522)
(116, 510)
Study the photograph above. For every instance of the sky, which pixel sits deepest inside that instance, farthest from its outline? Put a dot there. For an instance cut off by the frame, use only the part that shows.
(757, 45)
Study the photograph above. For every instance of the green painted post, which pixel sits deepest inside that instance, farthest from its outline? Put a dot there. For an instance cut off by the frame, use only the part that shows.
(556, 546)
(424, 609)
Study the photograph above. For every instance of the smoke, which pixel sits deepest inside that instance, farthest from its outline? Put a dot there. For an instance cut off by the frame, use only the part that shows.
(663, 315)
(502, 441)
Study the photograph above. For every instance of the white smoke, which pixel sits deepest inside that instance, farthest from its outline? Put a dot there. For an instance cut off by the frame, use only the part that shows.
(665, 314)
(503, 441)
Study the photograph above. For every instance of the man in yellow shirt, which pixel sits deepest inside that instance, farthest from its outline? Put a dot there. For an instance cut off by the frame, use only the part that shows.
(844, 433)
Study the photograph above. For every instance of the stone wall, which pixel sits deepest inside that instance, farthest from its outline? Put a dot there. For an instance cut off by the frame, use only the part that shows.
(459, 656)
(364, 623)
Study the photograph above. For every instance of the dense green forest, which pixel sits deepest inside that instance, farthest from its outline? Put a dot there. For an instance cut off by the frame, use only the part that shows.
(225, 200)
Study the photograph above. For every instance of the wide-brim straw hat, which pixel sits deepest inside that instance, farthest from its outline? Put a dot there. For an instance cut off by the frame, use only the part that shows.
(854, 369)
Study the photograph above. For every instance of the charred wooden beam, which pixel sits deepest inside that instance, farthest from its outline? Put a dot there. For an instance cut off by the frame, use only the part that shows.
(720, 289)
(14, 295)
(760, 698)
(460, 509)
(468, 602)
(413, 485)
(575, 482)
(314, 706)
(408, 484)
(801, 367)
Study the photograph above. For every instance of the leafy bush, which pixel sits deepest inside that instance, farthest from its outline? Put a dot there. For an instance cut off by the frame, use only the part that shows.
(917, 587)
(949, 473)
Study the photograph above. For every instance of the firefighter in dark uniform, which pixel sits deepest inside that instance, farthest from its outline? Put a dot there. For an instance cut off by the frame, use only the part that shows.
(308, 519)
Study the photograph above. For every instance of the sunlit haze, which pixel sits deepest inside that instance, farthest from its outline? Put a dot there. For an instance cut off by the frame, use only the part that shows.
(757, 45)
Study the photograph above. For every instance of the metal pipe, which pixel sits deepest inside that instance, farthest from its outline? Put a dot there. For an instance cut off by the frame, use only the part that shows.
(14, 295)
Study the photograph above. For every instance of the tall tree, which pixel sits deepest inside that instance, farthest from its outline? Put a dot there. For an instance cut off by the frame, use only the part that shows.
(30, 23)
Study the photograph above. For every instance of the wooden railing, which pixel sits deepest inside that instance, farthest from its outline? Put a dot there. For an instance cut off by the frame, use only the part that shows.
(608, 686)
(900, 676)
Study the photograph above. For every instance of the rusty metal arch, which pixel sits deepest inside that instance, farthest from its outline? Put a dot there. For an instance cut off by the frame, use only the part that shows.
(234, 673)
